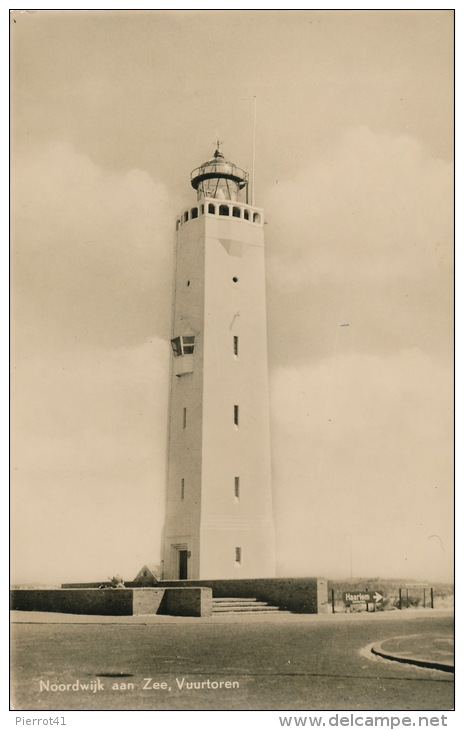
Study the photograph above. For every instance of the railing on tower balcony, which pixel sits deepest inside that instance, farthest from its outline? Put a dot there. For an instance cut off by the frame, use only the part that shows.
(232, 209)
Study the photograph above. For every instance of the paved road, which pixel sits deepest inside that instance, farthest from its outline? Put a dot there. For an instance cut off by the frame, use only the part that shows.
(271, 663)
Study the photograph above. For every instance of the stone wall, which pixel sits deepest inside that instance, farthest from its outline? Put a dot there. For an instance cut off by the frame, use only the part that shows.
(149, 583)
(172, 601)
(78, 600)
(300, 595)
(144, 600)
(188, 602)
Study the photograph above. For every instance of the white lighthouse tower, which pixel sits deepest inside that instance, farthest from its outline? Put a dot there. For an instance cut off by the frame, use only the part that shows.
(219, 520)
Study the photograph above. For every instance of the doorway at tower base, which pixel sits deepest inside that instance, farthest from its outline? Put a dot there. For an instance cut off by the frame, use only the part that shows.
(240, 552)
(299, 595)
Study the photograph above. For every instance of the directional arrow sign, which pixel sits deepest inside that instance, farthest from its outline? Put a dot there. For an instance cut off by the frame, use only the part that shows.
(355, 596)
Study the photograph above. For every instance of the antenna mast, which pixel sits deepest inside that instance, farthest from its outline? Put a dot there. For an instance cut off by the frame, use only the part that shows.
(253, 154)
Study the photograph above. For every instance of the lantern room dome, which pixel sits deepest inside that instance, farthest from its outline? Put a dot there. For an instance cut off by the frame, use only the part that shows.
(218, 178)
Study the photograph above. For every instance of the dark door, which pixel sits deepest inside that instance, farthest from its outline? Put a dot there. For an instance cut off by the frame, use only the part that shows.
(183, 564)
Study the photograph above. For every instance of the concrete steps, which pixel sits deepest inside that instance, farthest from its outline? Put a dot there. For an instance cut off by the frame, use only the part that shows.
(242, 605)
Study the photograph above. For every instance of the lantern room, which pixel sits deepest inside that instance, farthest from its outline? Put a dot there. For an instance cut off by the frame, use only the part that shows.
(219, 179)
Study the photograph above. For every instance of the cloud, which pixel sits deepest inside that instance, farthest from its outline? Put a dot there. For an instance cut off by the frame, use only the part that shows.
(89, 463)
(373, 209)
(362, 445)
(93, 252)
(362, 235)
(362, 414)
(93, 264)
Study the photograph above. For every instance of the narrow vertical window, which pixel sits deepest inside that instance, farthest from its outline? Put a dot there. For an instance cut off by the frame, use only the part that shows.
(238, 555)
(237, 489)
(182, 488)
(236, 415)
(235, 345)
(184, 418)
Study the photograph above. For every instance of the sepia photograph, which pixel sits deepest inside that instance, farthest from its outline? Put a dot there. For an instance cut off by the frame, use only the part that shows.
(232, 362)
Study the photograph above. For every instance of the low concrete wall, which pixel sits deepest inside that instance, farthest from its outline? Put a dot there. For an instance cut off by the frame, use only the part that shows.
(77, 600)
(188, 602)
(144, 600)
(173, 601)
(108, 584)
(300, 595)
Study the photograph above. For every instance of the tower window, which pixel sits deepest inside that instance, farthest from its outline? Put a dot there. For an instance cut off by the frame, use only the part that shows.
(236, 212)
(238, 555)
(246, 214)
(177, 225)
(184, 418)
(202, 209)
(176, 346)
(188, 344)
(211, 208)
(237, 489)
(236, 414)
(194, 213)
(256, 218)
(235, 345)
(224, 210)
(182, 488)
(183, 345)
(186, 216)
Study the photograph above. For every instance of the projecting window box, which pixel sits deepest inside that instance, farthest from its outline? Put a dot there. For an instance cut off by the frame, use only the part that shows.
(183, 348)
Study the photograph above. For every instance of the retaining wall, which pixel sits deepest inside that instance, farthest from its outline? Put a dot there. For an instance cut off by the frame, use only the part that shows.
(300, 595)
(172, 601)
(187, 601)
(149, 583)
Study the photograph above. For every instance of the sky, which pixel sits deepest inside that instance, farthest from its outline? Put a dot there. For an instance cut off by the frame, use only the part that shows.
(111, 110)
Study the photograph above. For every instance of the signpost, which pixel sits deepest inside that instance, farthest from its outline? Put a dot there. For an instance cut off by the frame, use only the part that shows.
(362, 597)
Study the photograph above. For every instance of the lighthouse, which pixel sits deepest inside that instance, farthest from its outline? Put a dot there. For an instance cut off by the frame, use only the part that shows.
(219, 521)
